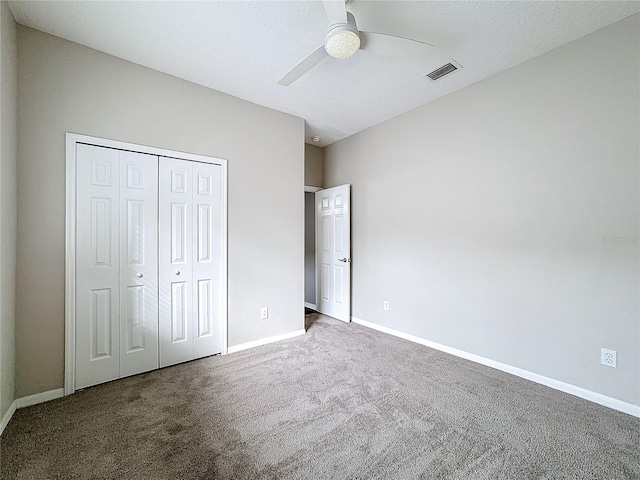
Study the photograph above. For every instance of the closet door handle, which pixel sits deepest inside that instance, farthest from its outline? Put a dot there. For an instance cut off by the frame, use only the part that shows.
(177, 272)
(139, 275)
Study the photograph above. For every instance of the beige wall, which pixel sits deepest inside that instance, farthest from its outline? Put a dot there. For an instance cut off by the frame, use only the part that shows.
(482, 216)
(8, 157)
(65, 87)
(313, 159)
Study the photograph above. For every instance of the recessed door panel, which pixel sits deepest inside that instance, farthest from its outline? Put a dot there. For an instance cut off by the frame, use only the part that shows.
(338, 284)
(135, 177)
(178, 233)
(205, 314)
(325, 278)
(338, 234)
(178, 312)
(180, 176)
(100, 323)
(135, 319)
(101, 174)
(204, 234)
(101, 231)
(135, 232)
(326, 234)
(205, 184)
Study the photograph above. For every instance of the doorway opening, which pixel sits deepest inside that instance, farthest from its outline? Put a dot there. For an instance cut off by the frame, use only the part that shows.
(310, 249)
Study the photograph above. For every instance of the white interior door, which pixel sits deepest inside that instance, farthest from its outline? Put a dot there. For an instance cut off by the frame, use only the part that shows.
(333, 252)
(190, 260)
(116, 267)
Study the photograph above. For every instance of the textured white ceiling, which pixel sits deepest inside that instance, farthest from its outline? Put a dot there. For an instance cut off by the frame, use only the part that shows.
(243, 47)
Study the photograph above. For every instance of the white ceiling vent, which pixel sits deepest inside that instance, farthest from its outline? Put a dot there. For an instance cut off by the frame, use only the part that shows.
(440, 72)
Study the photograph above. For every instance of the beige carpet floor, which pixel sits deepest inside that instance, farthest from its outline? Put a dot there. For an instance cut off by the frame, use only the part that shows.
(341, 402)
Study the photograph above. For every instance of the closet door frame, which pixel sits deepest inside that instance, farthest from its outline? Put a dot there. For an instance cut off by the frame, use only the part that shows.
(72, 140)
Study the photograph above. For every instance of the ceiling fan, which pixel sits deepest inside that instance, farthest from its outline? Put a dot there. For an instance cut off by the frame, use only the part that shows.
(344, 39)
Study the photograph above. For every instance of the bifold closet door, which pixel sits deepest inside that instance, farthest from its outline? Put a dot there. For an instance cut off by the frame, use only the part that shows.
(189, 260)
(138, 263)
(116, 264)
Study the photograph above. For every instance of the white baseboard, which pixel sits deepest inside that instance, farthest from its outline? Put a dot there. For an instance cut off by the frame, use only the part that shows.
(598, 398)
(7, 417)
(265, 341)
(27, 402)
(39, 398)
(312, 306)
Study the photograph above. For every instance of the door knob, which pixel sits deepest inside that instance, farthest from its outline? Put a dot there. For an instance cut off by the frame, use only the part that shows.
(345, 259)
(139, 275)
(177, 272)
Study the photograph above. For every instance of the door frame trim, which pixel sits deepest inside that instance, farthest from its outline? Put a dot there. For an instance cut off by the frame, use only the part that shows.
(72, 139)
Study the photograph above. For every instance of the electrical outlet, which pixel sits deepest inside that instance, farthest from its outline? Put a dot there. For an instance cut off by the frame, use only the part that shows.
(264, 313)
(609, 357)
(385, 305)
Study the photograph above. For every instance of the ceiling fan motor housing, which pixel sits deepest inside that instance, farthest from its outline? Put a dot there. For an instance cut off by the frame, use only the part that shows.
(343, 39)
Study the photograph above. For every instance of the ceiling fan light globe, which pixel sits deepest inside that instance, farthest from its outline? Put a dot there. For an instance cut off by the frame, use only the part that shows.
(342, 43)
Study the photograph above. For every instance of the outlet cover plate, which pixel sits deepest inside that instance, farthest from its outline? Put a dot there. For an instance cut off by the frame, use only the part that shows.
(609, 357)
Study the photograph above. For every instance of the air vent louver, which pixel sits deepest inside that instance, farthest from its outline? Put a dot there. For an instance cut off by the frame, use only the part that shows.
(442, 71)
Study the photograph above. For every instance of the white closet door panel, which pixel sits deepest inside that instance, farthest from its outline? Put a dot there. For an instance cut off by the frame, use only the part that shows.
(207, 248)
(138, 263)
(97, 266)
(175, 261)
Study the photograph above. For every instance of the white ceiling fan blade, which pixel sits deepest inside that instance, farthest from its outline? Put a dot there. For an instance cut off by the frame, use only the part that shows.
(336, 11)
(303, 66)
(391, 46)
